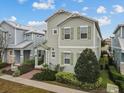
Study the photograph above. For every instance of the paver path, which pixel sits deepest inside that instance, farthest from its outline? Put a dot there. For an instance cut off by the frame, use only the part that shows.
(30, 74)
(42, 85)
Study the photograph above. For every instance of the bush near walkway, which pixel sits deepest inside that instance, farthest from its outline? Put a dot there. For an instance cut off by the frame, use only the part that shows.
(2, 65)
(45, 75)
(116, 77)
(25, 68)
(71, 79)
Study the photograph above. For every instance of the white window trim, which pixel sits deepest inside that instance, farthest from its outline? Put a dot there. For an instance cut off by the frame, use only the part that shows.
(64, 58)
(86, 32)
(52, 52)
(53, 31)
(64, 32)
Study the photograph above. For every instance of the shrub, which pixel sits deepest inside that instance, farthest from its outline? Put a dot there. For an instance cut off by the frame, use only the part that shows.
(2, 65)
(114, 75)
(45, 75)
(87, 68)
(71, 79)
(16, 73)
(25, 68)
(67, 78)
(40, 61)
(121, 85)
(104, 62)
(95, 85)
(9, 72)
(29, 62)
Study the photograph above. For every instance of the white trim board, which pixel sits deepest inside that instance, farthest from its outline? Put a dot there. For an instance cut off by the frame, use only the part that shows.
(76, 47)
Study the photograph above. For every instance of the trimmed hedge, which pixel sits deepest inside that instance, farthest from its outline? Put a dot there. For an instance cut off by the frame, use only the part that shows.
(67, 78)
(25, 68)
(2, 65)
(45, 75)
(70, 79)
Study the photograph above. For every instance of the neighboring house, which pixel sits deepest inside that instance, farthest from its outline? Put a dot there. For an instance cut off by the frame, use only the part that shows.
(108, 41)
(3, 44)
(68, 34)
(117, 46)
(22, 42)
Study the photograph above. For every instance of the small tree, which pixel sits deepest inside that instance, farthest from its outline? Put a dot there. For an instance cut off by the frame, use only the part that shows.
(87, 68)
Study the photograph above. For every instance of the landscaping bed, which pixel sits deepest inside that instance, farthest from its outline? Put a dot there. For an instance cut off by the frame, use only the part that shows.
(11, 87)
(116, 77)
(3, 65)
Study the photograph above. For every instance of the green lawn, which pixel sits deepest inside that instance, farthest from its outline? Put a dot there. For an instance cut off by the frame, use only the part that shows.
(11, 87)
(105, 76)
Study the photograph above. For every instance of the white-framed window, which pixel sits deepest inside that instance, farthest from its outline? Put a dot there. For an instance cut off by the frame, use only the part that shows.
(67, 33)
(53, 54)
(54, 31)
(83, 32)
(67, 58)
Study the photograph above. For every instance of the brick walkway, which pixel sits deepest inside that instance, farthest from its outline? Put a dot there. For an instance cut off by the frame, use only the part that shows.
(30, 74)
(41, 85)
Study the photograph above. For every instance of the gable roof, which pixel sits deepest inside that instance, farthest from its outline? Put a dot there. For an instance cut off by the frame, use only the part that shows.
(16, 25)
(75, 15)
(58, 12)
(3, 30)
(120, 25)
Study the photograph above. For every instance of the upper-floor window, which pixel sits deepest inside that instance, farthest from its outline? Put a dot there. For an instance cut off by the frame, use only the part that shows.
(54, 31)
(67, 33)
(84, 32)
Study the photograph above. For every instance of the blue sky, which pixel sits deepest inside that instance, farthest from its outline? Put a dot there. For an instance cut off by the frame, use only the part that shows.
(110, 13)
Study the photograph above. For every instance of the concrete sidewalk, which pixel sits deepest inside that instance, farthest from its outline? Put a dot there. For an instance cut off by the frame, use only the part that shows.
(42, 85)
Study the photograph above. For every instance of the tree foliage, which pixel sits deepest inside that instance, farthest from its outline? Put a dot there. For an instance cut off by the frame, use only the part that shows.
(87, 68)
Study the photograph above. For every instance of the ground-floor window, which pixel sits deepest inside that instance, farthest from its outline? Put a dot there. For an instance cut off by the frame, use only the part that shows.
(67, 58)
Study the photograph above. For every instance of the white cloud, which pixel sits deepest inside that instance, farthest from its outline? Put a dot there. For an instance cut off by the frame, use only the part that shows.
(77, 12)
(12, 18)
(104, 20)
(44, 5)
(118, 9)
(34, 23)
(84, 14)
(79, 1)
(101, 10)
(22, 1)
(39, 25)
(85, 8)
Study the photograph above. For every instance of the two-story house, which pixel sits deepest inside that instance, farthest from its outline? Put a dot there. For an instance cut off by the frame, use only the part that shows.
(3, 44)
(21, 42)
(68, 34)
(117, 44)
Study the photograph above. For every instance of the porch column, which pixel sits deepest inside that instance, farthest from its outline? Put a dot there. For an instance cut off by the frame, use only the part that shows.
(31, 54)
(21, 57)
(13, 56)
(46, 54)
(36, 58)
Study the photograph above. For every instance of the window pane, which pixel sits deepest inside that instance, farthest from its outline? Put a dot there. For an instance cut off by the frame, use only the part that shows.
(67, 61)
(53, 54)
(55, 31)
(67, 36)
(83, 35)
(67, 33)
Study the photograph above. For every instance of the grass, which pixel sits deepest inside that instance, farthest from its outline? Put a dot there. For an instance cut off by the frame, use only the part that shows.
(104, 74)
(11, 87)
